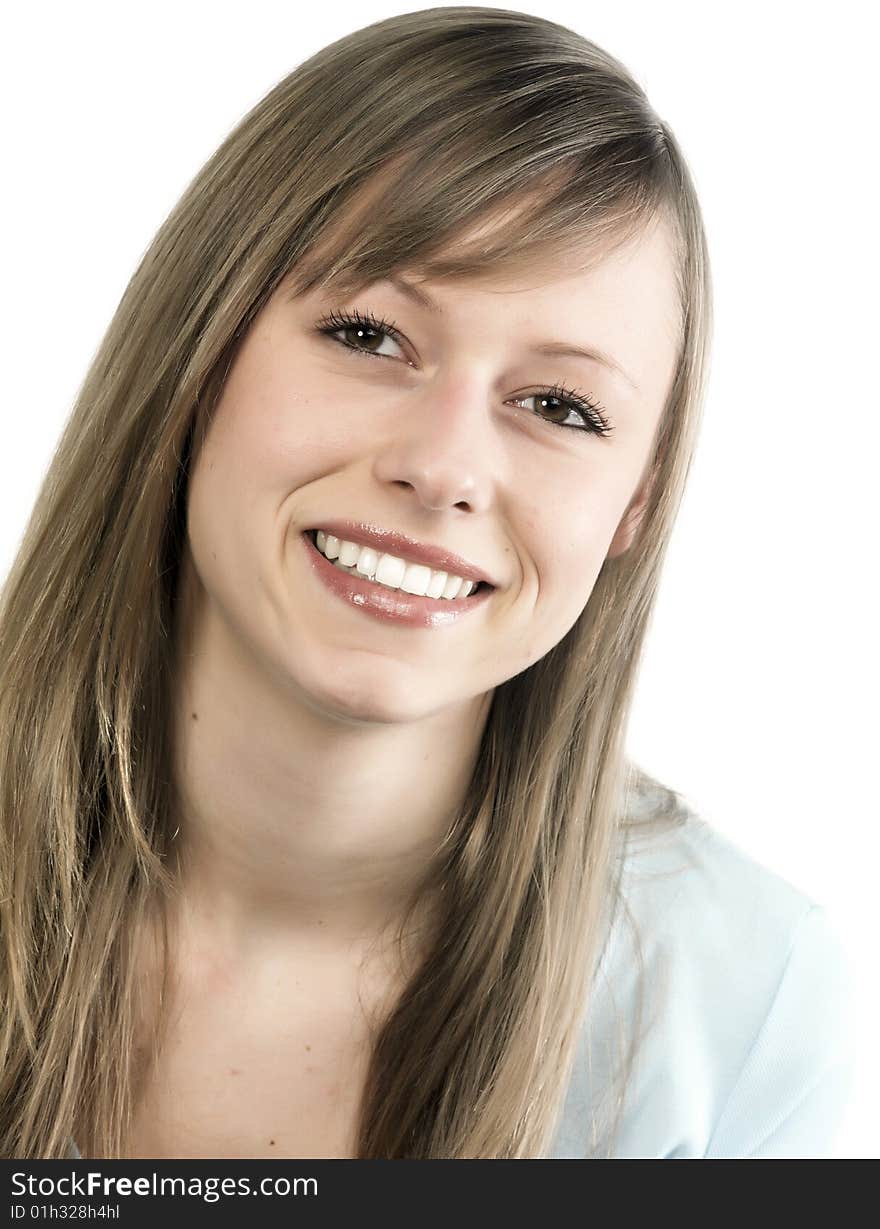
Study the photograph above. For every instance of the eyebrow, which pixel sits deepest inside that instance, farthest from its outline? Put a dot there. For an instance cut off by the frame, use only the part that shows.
(562, 348)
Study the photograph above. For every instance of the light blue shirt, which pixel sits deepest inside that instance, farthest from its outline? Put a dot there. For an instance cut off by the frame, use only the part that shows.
(747, 1037)
(748, 1046)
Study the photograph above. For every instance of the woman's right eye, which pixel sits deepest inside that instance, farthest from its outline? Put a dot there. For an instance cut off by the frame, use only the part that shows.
(364, 328)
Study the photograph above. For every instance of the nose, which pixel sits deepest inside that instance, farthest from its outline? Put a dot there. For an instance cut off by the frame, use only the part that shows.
(441, 445)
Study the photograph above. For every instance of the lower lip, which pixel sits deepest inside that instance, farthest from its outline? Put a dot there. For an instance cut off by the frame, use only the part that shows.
(390, 604)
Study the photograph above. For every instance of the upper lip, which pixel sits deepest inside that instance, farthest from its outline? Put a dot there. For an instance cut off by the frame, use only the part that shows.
(403, 546)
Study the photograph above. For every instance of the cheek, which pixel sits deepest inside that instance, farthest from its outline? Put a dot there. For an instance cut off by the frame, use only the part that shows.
(273, 413)
(570, 568)
(269, 437)
(576, 524)
(569, 541)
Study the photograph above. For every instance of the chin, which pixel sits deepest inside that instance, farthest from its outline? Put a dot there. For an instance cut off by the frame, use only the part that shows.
(367, 696)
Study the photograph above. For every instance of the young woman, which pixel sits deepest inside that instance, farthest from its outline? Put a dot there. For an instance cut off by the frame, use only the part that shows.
(319, 835)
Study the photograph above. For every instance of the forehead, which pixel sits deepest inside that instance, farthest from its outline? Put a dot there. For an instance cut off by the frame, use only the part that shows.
(617, 274)
(614, 265)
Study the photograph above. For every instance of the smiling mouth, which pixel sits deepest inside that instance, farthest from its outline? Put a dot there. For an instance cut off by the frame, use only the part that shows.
(312, 535)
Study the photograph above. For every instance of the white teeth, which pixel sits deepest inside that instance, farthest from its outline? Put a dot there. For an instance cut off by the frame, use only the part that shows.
(456, 587)
(328, 545)
(348, 553)
(436, 586)
(416, 579)
(389, 571)
(392, 571)
(366, 562)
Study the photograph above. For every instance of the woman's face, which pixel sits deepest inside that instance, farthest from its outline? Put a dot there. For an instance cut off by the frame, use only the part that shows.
(441, 435)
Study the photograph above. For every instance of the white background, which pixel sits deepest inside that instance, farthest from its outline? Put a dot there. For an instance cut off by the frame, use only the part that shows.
(757, 697)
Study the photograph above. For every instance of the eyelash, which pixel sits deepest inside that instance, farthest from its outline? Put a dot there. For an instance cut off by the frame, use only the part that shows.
(589, 409)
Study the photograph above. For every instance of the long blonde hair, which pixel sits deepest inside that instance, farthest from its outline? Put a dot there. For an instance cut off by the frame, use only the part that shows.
(377, 153)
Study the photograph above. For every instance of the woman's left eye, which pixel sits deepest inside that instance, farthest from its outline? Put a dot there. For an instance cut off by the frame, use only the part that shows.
(587, 410)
